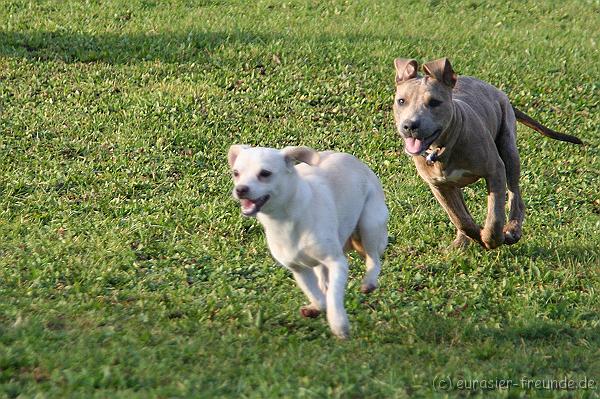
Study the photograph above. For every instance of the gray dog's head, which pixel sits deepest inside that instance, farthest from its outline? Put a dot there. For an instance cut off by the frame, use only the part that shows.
(422, 105)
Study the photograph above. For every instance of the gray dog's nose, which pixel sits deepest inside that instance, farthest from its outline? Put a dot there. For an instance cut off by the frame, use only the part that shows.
(410, 126)
(242, 190)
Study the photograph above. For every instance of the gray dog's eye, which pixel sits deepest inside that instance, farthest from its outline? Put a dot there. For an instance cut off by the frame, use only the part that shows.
(434, 103)
(265, 173)
(401, 101)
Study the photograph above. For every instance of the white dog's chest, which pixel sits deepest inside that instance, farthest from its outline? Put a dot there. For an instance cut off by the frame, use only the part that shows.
(291, 256)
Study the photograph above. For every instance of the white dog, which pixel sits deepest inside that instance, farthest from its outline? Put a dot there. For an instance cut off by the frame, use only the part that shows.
(312, 212)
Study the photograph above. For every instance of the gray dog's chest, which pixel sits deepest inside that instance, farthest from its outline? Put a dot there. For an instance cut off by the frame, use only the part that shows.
(439, 176)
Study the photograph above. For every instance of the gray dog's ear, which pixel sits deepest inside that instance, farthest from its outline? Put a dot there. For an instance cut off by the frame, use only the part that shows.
(300, 154)
(405, 69)
(442, 71)
(234, 151)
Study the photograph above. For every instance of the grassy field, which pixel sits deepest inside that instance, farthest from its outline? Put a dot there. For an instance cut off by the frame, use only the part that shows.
(126, 269)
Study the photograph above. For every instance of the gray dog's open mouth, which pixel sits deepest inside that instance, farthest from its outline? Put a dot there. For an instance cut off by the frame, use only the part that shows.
(418, 146)
(251, 207)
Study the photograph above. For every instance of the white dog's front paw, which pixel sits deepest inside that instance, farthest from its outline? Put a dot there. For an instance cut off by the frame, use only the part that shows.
(340, 326)
(367, 288)
(341, 332)
(310, 311)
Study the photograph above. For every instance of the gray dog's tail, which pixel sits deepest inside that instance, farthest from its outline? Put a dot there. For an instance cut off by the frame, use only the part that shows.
(538, 127)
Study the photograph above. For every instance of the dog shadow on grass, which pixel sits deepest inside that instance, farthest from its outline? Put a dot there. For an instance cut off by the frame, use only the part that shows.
(71, 47)
(434, 329)
(561, 254)
(114, 48)
(524, 328)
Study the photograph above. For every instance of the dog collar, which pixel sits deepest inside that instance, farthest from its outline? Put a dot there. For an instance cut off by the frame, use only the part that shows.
(432, 156)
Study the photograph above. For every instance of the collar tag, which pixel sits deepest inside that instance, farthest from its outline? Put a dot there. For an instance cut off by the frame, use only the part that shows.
(433, 156)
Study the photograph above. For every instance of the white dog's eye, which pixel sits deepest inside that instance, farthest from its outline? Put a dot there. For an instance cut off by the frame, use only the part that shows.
(236, 173)
(401, 101)
(265, 173)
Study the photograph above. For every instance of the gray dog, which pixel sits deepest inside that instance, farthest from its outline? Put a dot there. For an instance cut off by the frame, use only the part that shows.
(458, 130)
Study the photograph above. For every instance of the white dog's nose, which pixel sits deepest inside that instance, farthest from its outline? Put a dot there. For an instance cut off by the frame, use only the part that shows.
(242, 190)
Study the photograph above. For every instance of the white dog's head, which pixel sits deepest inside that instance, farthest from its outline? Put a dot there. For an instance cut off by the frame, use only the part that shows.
(264, 178)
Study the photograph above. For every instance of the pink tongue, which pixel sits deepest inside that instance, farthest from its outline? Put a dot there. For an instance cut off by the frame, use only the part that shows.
(246, 203)
(413, 145)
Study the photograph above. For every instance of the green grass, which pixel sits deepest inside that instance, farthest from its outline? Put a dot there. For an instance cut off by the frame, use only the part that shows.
(126, 269)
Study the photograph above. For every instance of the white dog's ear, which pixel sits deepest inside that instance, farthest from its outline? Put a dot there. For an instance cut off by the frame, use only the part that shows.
(234, 151)
(441, 70)
(405, 69)
(300, 154)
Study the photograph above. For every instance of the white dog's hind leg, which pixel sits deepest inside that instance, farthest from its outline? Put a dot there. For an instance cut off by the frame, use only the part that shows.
(309, 284)
(369, 283)
(336, 313)
(372, 227)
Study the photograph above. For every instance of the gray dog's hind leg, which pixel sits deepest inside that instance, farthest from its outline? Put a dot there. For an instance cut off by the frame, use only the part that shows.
(507, 148)
(492, 233)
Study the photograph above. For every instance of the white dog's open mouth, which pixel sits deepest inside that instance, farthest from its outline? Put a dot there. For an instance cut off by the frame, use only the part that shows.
(251, 207)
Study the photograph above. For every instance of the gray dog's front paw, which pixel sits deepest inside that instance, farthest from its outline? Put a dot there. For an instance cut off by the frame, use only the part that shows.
(492, 239)
(512, 233)
(509, 238)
